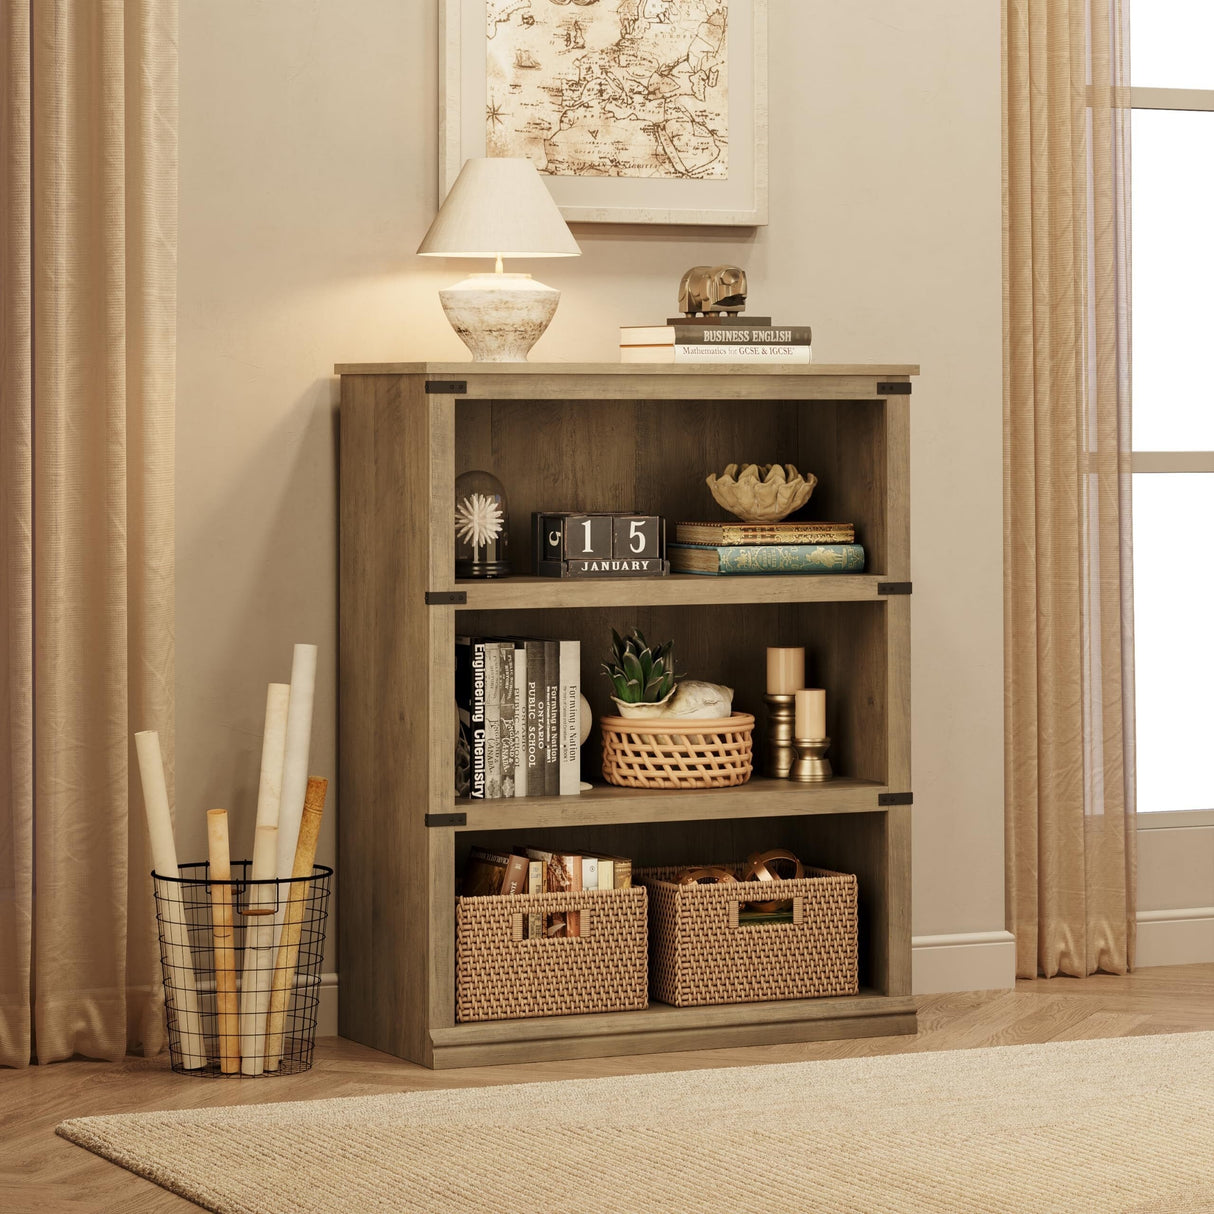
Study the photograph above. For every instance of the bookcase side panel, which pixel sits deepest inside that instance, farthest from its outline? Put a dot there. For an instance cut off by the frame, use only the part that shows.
(384, 730)
(897, 481)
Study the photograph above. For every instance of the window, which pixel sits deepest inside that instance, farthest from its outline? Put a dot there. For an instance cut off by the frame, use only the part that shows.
(1172, 142)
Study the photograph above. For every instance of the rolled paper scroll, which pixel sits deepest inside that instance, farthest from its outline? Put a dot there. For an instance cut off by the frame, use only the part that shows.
(262, 899)
(258, 952)
(295, 759)
(227, 1018)
(183, 993)
(288, 946)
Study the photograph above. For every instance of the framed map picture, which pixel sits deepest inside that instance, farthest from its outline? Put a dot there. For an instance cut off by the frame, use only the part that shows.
(635, 111)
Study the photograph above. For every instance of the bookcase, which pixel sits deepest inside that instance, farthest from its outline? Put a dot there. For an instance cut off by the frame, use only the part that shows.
(604, 437)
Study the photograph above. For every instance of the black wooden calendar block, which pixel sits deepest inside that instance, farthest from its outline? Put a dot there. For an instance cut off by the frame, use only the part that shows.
(571, 544)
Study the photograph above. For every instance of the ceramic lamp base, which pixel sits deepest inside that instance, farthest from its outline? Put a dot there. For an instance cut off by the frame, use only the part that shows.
(499, 317)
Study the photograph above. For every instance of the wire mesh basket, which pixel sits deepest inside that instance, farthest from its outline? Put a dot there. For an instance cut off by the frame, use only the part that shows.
(241, 963)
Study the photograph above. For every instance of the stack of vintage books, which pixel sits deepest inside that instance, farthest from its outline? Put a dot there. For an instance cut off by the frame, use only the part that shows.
(723, 340)
(531, 870)
(787, 547)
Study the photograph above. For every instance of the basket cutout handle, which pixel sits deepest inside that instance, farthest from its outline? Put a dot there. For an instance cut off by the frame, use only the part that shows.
(798, 911)
(519, 936)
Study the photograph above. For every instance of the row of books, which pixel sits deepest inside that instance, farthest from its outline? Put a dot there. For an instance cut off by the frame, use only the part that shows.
(531, 870)
(785, 547)
(518, 702)
(727, 341)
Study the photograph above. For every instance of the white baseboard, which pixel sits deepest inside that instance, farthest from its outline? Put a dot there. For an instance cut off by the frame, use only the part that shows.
(977, 961)
(968, 961)
(326, 1011)
(965, 961)
(1175, 937)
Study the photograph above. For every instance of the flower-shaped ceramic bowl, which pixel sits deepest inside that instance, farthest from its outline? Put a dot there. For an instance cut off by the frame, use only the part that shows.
(762, 493)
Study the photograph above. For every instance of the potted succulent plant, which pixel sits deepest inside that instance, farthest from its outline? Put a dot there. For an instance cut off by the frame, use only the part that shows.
(642, 676)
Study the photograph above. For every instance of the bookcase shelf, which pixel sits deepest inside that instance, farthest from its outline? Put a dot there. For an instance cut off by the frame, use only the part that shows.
(678, 589)
(604, 804)
(610, 437)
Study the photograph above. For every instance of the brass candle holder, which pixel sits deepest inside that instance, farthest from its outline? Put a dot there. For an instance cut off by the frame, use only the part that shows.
(811, 765)
(780, 752)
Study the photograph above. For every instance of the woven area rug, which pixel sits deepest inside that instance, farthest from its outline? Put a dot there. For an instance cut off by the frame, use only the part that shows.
(1122, 1126)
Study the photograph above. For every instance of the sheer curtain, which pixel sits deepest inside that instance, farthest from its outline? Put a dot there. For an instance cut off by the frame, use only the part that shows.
(87, 335)
(1069, 689)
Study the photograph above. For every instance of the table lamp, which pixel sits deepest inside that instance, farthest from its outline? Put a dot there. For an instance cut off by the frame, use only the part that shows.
(499, 207)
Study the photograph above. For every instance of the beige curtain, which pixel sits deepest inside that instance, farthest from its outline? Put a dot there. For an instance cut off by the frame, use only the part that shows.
(1069, 720)
(87, 330)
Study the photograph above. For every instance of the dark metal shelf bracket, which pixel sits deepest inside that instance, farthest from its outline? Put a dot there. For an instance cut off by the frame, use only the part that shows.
(456, 387)
(446, 819)
(895, 798)
(893, 587)
(883, 389)
(446, 598)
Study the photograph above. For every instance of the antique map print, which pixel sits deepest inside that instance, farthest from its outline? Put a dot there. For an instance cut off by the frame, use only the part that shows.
(609, 88)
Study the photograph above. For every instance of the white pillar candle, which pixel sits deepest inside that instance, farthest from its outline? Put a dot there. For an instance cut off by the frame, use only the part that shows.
(785, 670)
(811, 713)
(173, 925)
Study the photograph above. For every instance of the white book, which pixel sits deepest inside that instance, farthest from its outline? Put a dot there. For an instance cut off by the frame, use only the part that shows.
(520, 720)
(590, 872)
(606, 867)
(743, 354)
(793, 354)
(569, 718)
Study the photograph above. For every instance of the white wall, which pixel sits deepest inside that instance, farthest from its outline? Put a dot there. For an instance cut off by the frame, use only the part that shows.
(308, 175)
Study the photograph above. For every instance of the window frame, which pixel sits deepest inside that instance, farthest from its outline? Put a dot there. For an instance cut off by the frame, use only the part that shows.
(1171, 461)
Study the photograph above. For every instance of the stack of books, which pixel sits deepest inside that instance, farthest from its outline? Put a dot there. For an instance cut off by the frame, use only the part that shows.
(530, 870)
(790, 547)
(518, 702)
(725, 341)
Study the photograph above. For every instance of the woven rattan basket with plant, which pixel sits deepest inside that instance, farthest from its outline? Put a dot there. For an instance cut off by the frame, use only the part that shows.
(670, 734)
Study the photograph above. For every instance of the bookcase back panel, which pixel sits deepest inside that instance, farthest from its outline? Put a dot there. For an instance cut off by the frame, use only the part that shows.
(848, 843)
(652, 457)
(845, 654)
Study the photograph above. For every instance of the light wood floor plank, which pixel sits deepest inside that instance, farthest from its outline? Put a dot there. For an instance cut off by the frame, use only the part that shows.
(43, 1173)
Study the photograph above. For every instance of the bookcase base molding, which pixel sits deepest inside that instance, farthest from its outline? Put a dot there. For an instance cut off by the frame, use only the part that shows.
(660, 1029)
(603, 438)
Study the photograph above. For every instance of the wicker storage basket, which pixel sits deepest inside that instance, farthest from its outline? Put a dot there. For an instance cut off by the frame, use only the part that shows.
(502, 975)
(699, 954)
(663, 752)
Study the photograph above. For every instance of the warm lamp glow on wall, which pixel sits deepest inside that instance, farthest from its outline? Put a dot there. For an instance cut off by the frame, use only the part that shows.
(499, 207)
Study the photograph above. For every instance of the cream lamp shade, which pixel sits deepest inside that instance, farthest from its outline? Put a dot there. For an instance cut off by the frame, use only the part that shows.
(499, 207)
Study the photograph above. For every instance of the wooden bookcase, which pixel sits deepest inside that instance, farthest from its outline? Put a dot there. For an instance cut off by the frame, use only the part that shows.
(611, 437)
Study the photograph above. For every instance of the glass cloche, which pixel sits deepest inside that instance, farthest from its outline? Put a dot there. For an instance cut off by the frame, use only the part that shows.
(482, 526)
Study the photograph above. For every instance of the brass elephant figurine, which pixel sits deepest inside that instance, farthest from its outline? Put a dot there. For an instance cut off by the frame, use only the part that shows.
(706, 290)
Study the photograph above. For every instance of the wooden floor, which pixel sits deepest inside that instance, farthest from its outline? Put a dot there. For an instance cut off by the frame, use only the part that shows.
(41, 1172)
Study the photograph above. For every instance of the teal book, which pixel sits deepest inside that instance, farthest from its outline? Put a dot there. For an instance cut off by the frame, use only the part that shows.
(766, 558)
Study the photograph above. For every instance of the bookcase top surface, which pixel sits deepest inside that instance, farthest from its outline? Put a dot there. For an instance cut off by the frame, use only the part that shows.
(465, 369)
